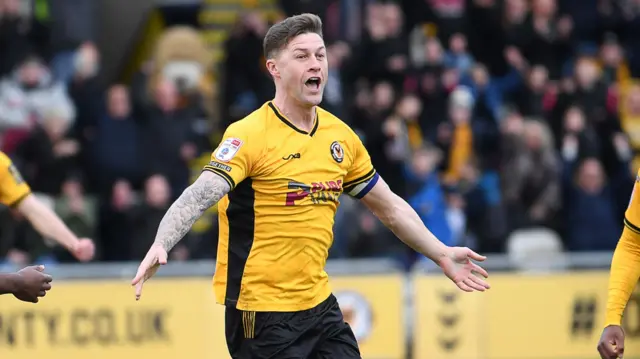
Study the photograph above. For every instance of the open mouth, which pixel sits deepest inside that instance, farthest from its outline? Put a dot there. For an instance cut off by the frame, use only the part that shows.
(313, 83)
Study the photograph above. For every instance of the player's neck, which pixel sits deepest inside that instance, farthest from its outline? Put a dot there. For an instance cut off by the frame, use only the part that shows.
(300, 116)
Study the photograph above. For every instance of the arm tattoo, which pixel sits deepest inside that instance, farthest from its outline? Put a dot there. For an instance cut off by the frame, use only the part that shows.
(206, 191)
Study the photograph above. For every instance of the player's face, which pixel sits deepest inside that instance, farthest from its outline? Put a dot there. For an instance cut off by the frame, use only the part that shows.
(303, 68)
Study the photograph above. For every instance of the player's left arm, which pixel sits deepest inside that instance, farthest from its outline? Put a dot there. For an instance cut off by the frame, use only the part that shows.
(364, 183)
(397, 215)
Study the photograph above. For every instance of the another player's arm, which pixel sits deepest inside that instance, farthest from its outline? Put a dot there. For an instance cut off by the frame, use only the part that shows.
(15, 193)
(8, 283)
(623, 278)
(624, 275)
(46, 222)
(27, 285)
(206, 191)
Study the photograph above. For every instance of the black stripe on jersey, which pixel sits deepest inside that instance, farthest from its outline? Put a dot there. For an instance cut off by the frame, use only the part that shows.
(242, 221)
(20, 199)
(631, 226)
(357, 181)
(284, 119)
(220, 173)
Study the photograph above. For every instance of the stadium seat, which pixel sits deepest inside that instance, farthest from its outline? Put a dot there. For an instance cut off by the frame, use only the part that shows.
(536, 250)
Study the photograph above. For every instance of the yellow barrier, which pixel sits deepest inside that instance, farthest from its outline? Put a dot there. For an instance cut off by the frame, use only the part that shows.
(521, 317)
(175, 319)
(102, 320)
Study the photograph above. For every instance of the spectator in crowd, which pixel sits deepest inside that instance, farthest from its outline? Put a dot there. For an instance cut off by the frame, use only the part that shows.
(85, 89)
(458, 57)
(116, 151)
(590, 206)
(78, 211)
(246, 83)
(114, 224)
(534, 99)
(48, 156)
(145, 216)
(170, 141)
(26, 96)
(531, 176)
(429, 201)
(15, 36)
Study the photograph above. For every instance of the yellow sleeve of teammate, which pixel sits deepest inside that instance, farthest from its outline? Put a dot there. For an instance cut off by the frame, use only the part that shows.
(361, 176)
(625, 266)
(236, 154)
(12, 187)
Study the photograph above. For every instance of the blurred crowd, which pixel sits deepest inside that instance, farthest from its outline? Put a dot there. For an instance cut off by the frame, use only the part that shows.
(109, 158)
(491, 117)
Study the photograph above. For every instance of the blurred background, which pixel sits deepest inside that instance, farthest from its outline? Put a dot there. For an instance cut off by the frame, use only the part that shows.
(511, 127)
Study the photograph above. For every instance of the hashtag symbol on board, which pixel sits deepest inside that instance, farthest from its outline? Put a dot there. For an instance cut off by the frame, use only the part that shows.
(583, 318)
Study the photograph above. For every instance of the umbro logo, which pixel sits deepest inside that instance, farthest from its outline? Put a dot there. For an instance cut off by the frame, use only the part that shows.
(291, 156)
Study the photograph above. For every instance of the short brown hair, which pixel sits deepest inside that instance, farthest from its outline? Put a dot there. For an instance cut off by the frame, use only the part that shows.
(281, 33)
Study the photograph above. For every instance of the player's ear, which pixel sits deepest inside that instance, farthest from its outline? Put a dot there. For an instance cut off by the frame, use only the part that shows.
(273, 68)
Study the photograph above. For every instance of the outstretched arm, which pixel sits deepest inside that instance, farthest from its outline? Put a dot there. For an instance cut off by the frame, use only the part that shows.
(405, 223)
(206, 191)
(397, 215)
(47, 223)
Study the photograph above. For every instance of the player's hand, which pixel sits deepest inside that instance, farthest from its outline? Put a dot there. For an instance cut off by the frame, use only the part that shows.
(32, 283)
(611, 344)
(457, 265)
(84, 250)
(155, 257)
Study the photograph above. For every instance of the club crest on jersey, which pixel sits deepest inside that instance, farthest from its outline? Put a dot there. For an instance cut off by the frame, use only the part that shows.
(228, 149)
(337, 152)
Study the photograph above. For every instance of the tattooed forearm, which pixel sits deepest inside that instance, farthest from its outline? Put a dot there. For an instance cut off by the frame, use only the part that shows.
(207, 190)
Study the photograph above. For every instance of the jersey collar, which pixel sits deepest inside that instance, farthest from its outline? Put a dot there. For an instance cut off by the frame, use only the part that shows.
(288, 123)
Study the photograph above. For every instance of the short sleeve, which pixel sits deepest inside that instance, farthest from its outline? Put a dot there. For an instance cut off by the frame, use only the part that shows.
(13, 187)
(233, 158)
(361, 176)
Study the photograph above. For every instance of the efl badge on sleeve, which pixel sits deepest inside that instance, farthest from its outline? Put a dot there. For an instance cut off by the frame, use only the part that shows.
(337, 152)
(228, 149)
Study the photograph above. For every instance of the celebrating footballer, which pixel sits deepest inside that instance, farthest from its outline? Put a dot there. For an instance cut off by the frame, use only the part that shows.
(277, 176)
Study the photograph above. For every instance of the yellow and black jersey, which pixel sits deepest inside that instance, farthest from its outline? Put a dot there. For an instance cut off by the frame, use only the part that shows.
(12, 187)
(276, 223)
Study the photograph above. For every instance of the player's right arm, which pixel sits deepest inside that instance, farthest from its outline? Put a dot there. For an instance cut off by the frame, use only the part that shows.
(230, 164)
(206, 191)
(623, 278)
